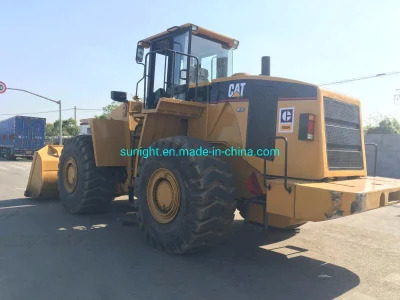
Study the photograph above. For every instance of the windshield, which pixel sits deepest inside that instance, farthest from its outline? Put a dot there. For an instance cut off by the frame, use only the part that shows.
(215, 61)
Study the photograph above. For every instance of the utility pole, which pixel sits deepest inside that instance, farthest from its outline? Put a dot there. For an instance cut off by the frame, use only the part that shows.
(75, 113)
(397, 97)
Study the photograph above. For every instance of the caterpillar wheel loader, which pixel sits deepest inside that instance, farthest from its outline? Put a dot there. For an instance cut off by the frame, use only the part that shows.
(203, 142)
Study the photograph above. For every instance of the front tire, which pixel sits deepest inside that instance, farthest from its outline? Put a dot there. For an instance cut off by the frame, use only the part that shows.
(83, 187)
(185, 203)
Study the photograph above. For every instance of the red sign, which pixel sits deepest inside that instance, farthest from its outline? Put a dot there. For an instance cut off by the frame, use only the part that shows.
(3, 87)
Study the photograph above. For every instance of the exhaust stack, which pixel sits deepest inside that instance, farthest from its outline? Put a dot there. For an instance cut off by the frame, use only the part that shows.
(265, 66)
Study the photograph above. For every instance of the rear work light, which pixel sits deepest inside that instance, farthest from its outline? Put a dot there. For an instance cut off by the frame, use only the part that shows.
(306, 127)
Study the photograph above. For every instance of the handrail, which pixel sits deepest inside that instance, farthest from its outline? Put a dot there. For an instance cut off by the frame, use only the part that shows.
(137, 84)
(145, 75)
(285, 177)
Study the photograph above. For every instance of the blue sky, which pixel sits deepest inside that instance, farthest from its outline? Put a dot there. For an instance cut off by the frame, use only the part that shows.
(78, 51)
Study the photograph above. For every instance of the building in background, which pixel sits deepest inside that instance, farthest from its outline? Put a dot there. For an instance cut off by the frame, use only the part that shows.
(84, 127)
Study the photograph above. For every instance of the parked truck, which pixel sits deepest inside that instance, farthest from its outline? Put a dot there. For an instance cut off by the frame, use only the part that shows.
(21, 136)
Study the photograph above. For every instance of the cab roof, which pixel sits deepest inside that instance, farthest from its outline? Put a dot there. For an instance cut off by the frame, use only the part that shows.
(197, 30)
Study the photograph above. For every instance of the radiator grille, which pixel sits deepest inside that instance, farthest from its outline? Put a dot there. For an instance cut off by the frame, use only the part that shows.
(343, 135)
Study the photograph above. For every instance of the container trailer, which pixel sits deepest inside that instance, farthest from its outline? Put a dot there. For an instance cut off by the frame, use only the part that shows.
(21, 136)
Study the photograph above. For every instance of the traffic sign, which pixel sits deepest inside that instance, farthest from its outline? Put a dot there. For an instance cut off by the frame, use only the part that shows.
(3, 87)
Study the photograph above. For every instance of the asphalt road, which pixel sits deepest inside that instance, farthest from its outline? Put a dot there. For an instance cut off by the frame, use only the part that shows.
(48, 254)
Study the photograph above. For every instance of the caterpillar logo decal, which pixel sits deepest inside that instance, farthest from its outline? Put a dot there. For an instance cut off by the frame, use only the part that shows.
(236, 90)
(286, 119)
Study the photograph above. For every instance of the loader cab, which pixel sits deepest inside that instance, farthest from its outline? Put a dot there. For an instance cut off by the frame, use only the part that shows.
(181, 63)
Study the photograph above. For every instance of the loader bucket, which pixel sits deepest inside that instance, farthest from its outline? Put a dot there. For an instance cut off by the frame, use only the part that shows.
(43, 177)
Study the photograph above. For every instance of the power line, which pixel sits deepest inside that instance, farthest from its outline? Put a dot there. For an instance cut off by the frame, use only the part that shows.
(362, 78)
(89, 109)
(49, 111)
(34, 113)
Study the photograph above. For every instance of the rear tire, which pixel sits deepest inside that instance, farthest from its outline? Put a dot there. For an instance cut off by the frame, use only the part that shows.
(205, 189)
(83, 187)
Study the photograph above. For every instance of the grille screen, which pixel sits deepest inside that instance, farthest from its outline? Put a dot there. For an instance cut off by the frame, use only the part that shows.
(343, 135)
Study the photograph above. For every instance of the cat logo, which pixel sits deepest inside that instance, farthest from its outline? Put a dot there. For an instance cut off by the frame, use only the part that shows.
(286, 119)
(236, 90)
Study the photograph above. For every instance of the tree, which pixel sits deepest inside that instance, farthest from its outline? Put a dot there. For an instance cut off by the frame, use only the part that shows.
(50, 130)
(107, 110)
(384, 125)
(69, 128)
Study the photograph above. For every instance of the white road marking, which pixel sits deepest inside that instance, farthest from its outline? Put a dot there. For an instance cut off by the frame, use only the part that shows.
(16, 206)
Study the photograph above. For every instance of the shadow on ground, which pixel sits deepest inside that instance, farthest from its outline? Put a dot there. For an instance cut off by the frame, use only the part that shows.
(46, 253)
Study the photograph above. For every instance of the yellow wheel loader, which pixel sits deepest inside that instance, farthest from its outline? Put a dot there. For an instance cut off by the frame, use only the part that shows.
(204, 142)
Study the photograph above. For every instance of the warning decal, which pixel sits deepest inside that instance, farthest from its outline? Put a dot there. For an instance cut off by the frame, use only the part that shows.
(286, 119)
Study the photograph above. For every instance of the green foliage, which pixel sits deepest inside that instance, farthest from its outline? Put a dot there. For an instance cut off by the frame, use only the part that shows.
(50, 130)
(69, 128)
(383, 125)
(107, 110)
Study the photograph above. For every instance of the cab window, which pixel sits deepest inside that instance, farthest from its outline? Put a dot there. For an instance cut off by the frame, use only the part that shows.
(215, 60)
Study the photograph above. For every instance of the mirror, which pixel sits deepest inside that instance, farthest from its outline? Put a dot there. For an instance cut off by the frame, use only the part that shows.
(119, 96)
(139, 53)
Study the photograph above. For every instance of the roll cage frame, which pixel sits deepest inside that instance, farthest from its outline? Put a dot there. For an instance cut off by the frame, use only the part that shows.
(170, 88)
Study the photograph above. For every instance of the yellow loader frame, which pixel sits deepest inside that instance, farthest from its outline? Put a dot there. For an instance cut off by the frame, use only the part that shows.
(305, 183)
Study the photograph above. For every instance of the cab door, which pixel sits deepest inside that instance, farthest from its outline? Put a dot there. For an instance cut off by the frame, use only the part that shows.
(167, 69)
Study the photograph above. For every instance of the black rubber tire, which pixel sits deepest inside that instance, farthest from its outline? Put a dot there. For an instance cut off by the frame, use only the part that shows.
(207, 203)
(95, 185)
(242, 209)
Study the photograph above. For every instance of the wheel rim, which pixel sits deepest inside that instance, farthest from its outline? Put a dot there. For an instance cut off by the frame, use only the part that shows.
(163, 196)
(70, 173)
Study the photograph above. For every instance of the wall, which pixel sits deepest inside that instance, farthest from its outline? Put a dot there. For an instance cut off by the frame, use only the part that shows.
(388, 163)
